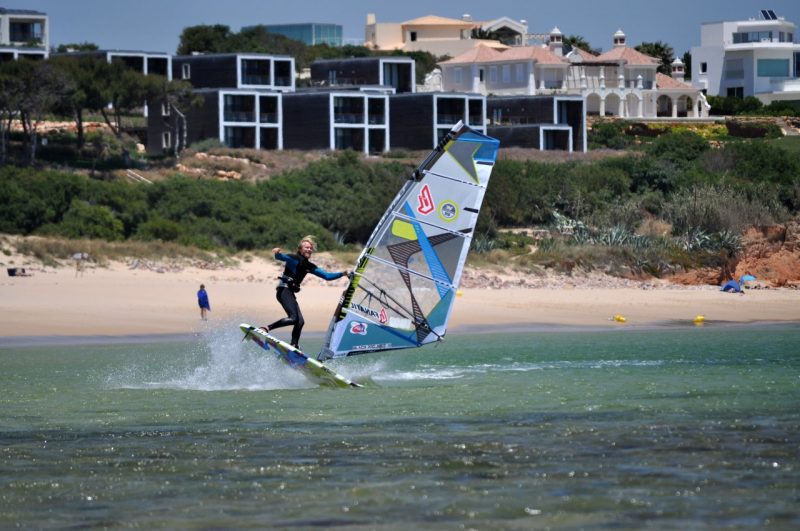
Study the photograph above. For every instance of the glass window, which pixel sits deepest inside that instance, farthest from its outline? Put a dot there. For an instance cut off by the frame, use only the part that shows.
(458, 76)
(506, 73)
(734, 69)
(703, 68)
(186, 71)
(520, 73)
(773, 67)
(493, 74)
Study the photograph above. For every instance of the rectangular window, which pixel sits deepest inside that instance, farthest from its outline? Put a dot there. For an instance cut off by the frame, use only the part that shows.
(506, 73)
(165, 109)
(703, 68)
(413, 36)
(734, 69)
(186, 71)
(520, 73)
(458, 76)
(773, 67)
(166, 140)
(736, 92)
(493, 74)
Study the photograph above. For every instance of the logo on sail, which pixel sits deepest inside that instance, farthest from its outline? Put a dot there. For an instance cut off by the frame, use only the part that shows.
(448, 210)
(358, 328)
(382, 318)
(425, 201)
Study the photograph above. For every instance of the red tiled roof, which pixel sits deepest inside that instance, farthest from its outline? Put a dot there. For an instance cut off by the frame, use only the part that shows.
(664, 81)
(536, 53)
(629, 55)
(479, 54)
(587, 56)
(485, 54)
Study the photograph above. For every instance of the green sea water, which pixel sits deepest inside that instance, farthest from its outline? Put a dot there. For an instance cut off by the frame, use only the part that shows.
(675, 427)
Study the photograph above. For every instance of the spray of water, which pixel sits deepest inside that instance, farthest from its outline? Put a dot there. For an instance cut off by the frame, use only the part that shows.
(218, 361)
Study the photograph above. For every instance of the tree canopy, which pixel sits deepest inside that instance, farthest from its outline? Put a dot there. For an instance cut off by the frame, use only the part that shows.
(661, 51)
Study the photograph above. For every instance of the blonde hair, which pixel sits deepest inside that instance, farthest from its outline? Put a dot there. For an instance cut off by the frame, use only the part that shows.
(309, 239)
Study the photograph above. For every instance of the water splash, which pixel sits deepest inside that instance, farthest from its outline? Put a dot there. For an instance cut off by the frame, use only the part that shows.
(218, 361)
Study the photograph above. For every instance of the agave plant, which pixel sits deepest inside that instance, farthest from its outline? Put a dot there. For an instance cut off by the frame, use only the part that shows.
(728, 241)
(615, 237)
(483, 244)
(640, 241)
(583, 236)
(696, 239)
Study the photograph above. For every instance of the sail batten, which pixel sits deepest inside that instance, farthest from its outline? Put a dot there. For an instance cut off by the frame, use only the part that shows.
(402, 290)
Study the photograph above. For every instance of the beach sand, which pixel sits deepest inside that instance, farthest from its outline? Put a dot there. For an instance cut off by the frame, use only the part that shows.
(119, 300)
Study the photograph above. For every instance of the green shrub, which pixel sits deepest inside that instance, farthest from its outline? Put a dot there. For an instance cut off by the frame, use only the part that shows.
(753, 129)
(609, 134)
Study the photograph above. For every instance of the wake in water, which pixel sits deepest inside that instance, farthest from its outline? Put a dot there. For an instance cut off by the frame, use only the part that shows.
(218, 361)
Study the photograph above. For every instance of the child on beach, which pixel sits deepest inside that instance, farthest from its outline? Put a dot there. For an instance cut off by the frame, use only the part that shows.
(202, 301)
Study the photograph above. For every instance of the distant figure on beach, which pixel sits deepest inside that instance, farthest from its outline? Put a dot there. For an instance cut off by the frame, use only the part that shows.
(202, 301)
(296, 269)
(732, 286)
(80, 260)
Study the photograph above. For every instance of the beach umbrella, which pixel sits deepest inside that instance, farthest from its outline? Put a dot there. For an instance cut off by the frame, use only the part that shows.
(746, 278)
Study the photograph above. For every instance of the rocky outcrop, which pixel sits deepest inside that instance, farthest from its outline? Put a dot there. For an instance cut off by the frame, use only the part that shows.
(772, 254)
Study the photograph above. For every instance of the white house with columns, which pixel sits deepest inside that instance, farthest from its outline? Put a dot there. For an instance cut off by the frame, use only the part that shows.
(620, 82)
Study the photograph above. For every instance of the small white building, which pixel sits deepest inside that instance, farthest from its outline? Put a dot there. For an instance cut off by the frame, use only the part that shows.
(757, 57)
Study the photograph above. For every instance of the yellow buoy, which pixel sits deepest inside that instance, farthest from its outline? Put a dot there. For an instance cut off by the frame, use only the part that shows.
(619, 318)
(700, 319)
(458, 293)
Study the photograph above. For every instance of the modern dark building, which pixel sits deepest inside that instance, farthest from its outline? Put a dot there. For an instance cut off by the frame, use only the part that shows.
(236, 70)
(24, 33)
(396, 72)
(237, 118)
(337, 120)
(157, 63)
(541, 122)
(419, 121)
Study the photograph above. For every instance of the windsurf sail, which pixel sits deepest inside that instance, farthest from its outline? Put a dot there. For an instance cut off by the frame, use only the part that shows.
(402, 289)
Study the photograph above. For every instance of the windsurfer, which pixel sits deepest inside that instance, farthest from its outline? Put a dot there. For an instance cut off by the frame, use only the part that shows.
(296, 269)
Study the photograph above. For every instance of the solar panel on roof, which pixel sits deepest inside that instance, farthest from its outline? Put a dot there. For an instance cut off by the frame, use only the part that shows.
(772, 14)
(764, 14)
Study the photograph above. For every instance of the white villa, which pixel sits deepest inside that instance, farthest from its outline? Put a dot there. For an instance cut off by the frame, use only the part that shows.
(621, 82)
(756, 57)
(442, 36)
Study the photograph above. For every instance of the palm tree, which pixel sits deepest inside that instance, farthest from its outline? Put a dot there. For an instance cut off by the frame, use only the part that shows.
(661, 51)
(578, 41)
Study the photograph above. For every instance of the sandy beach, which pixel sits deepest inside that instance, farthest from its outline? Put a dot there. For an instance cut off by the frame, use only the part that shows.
(129, 299)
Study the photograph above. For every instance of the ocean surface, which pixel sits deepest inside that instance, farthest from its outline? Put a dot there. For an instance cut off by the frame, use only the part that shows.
(675, 427)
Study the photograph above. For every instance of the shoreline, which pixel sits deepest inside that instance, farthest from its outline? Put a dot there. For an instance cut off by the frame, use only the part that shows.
(510, 329)
(129, 303)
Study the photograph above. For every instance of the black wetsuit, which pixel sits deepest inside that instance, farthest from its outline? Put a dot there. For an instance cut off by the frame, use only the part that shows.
(297, 267)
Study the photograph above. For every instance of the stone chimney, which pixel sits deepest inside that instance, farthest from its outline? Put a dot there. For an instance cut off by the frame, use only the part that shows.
(678, 70)
(619, 39)
(556, 44)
